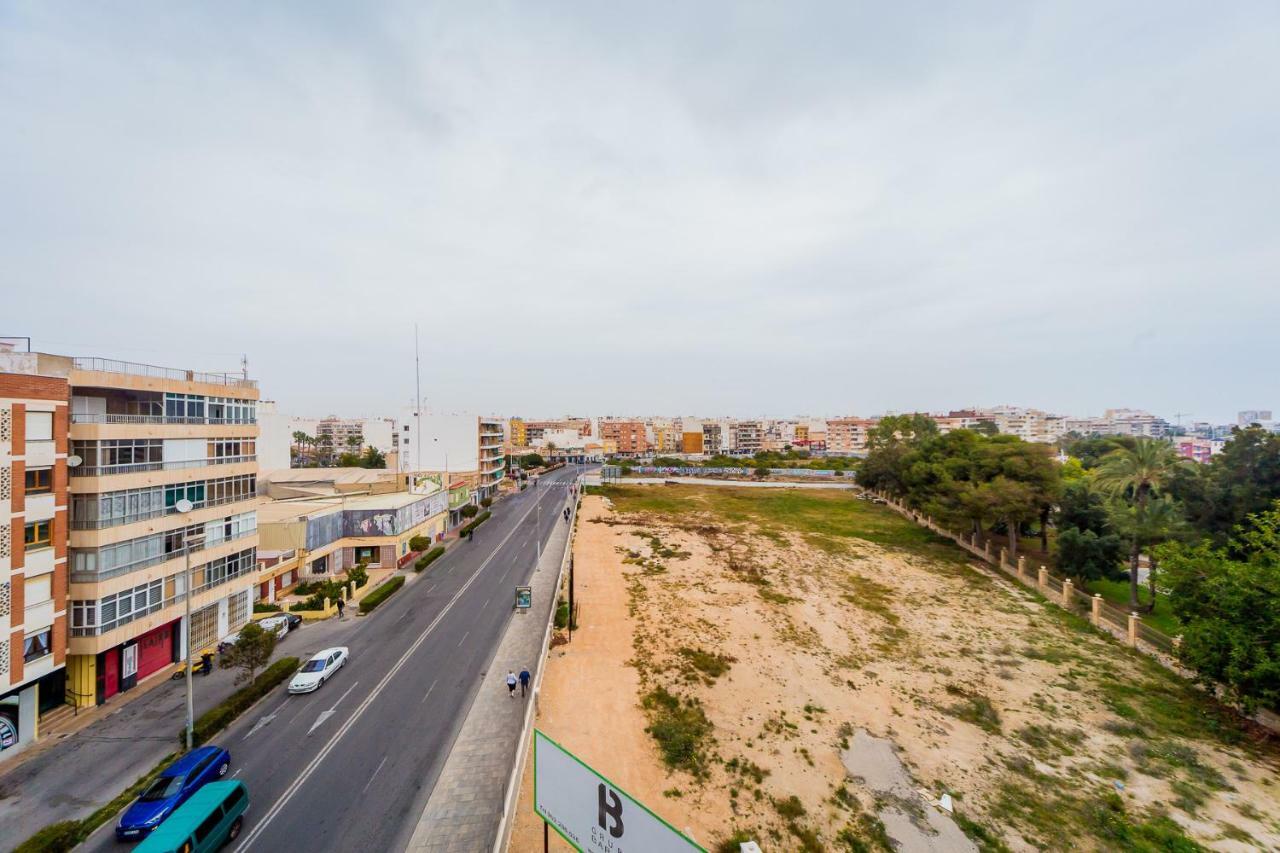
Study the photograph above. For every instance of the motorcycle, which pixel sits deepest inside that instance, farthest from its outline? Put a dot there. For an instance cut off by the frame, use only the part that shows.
(197, 665)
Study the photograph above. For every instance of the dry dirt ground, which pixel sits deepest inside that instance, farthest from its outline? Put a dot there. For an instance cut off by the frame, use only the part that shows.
(740, 652)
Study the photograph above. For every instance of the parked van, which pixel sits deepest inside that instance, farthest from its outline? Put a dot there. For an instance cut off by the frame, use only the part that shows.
(213, 816)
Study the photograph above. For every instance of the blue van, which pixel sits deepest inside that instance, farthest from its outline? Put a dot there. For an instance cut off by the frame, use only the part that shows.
(212, 817)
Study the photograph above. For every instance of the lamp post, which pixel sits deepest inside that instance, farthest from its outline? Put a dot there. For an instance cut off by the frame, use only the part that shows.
(185, 506)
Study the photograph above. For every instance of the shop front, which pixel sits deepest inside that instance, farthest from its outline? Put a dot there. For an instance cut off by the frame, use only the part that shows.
(121, 668)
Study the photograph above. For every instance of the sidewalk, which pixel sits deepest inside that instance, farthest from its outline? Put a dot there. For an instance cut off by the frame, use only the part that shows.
(73, 773)
(465, 808)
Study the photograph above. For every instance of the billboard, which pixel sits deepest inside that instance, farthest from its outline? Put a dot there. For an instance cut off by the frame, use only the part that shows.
(590, 812)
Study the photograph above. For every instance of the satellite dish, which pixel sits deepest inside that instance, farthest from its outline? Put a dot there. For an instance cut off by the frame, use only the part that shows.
(74, 461)
(184, 505)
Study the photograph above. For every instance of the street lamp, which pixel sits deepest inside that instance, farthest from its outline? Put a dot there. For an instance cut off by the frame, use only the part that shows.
(184, 507)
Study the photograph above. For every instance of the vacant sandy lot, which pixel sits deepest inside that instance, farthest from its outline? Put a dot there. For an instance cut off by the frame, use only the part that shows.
(784, 648)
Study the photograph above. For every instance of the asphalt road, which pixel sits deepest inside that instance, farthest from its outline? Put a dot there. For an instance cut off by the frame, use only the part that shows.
(350, 767)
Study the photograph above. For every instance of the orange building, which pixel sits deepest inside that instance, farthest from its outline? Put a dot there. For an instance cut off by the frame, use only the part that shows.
(33, 546)
(628, 435)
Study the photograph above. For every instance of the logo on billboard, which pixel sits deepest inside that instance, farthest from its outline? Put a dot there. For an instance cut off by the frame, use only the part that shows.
(593, 814)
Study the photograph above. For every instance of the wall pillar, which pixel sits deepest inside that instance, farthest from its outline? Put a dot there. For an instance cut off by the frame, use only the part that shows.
(1068, 594)
(1022, 566)
(986, 550)
(1003, 551)
(1134, 619)
(1095, 610)
(1042, 579)
(353, 591)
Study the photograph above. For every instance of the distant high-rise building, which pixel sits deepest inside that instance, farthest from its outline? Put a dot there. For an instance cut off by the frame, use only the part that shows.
(1253, 416)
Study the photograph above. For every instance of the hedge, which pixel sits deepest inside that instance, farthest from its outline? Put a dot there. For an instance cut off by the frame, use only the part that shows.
(476, 522)
(428, 558)
(381, 594)
(265, 607)
(220, 716)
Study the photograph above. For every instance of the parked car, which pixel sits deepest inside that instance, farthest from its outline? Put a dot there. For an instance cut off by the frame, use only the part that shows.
(294, 620)
(173, 787)
(208, 821)
(319, 669)
(277, 624)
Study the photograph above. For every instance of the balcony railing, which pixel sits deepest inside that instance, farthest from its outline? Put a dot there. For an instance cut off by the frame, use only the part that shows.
(132, 368)
(102, 523)
(95, 630)
(155, 560)
(85, 418)
(140, 467)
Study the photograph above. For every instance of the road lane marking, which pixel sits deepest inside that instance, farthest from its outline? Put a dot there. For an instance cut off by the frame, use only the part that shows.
(486, 601)
(375, 773)
(464, 638)
(310, 769)
(429, 689)
(324, 715)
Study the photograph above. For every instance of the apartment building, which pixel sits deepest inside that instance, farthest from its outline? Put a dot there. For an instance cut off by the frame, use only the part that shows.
(144, 441)
(342, 434)
(453, 446)
(629, 436)
(748, 437)
(33, 547)
(712, 438)
(667, 437)
(517, 434)
(847, 436)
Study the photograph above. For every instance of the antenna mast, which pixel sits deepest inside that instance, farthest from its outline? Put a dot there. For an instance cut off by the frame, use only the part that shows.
(417, 396)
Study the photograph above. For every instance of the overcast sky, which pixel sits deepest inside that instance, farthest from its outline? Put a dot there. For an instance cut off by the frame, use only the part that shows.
(654, 208)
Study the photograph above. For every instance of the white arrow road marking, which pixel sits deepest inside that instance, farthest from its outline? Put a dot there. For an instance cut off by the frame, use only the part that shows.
(271, 813)
(324, 715)
(266, 719)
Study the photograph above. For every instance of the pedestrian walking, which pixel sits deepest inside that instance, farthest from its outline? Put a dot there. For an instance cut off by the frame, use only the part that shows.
(341, 606)
(511, 682)
(524, 681)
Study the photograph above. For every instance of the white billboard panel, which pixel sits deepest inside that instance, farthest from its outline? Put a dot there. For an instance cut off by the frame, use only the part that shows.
(592, 813)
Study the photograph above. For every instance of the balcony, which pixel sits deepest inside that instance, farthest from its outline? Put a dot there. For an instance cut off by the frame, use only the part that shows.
(141, 467)
(154, 560)
(83, 418)
(147, 610)
(103, 523)
(150, 371)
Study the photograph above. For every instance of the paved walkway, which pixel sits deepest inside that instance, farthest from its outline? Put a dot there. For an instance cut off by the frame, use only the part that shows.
(465, 807)
(71, 776)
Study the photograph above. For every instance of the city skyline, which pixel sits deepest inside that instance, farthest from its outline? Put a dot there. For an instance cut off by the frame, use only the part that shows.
(712, 209)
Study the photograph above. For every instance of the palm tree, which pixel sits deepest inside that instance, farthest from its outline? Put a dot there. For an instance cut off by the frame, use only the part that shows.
(1137, 475)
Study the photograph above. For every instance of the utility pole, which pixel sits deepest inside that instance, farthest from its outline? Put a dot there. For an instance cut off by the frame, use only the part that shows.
(417, 398)
(186, 629)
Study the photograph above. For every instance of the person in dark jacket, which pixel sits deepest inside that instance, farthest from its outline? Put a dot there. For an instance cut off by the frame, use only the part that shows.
(524, 681)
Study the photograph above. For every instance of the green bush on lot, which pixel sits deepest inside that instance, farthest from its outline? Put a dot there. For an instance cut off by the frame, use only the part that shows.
(265, 607)
(381, 594)
(320, 590)
(428, 558)
(220, 716)
(419, 543)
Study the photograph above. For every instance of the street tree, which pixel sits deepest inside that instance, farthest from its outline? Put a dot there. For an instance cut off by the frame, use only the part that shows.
(250, 652)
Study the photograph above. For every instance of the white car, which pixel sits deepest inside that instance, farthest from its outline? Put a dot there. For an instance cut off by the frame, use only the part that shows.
(319, 669)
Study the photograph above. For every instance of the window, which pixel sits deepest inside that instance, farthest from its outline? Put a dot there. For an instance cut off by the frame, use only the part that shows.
(37, 590)
(37, 645)
(39, 426)
(39, 534)
(39, 480)
(208, 826)
(366, 553)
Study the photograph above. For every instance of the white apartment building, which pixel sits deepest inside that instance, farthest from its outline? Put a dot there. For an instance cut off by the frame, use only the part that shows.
(459, 445)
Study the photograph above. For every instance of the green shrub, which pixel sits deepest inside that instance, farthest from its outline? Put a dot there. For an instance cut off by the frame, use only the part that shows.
(428, 558)
(681, 729)
(55, 838)
(359, 574)
(419, 543)
(470, 511)
(474, 523)
(320, 590)
(265, 607)
(220, 716)
(305, 587)
(486, 502)
(381, 594)
(562, 615)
